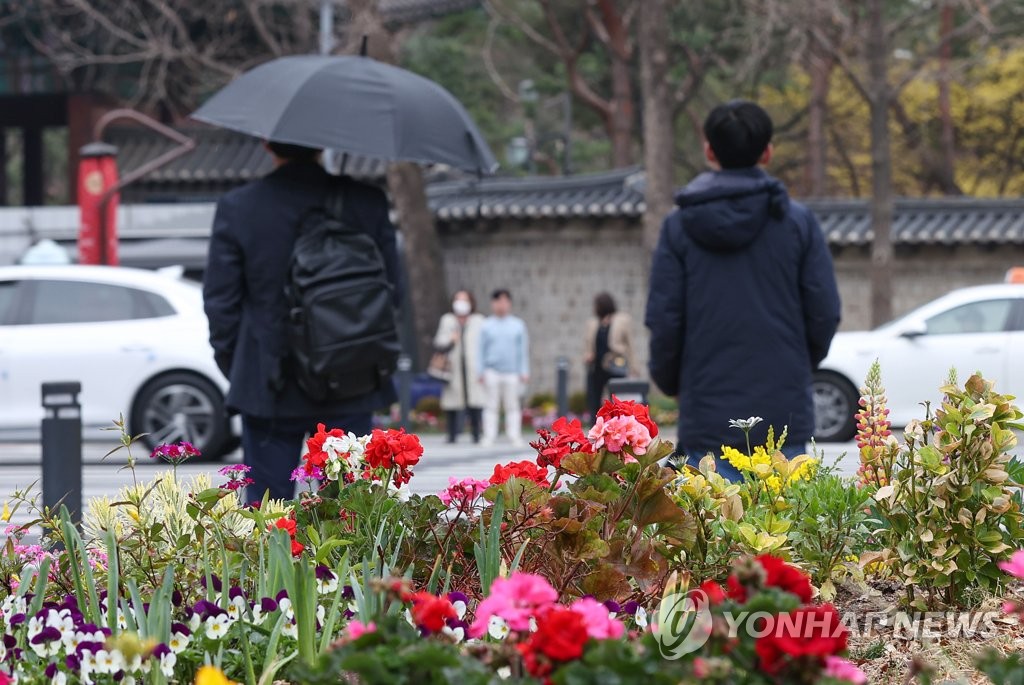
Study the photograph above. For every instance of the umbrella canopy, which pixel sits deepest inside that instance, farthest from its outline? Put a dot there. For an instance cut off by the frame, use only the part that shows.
(353, 104)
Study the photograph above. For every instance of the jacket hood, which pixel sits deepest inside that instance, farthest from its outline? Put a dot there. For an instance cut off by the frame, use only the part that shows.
(725, 210)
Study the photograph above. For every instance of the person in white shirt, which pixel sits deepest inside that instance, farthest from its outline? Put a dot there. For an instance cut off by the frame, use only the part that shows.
(504, 359)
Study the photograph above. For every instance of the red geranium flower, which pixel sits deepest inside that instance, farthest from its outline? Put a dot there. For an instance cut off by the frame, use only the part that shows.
(316, 456)
(526, 470)
(616, 407)
(814, 631)
(394, 449)
(565, 437)
(777, 574)
(430, 613)
(287, 524)
(712, 590)
(560, 636)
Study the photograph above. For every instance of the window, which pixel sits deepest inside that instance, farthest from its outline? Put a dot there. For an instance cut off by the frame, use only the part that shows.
(989, 316)
(82, 302)
(7, 292)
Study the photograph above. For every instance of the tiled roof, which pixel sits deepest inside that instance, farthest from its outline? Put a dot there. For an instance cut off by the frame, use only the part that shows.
(942, 221)
(613, 193)
(620, 193)
(220, 157)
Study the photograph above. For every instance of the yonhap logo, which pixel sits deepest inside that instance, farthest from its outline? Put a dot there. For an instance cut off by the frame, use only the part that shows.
(682, 623)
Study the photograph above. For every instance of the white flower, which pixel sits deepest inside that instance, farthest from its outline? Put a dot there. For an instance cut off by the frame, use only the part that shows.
(61, 678)
(327, 586)
(258, 617)
(167, 662)
(179, 642)
(505, 672)
(194, 621)
(285, 606)
(109, 661)
(497, 628)
(290, 630)
(321, 614)
(641, 617)
(217, 626)
(236, 608)
(745, 424)
(35, 626)
(457, 633)
(460, 608)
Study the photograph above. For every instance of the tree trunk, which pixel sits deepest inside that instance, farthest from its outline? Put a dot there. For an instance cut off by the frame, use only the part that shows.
(947, 139)
(426, 291)
(657, 117)
(819, 66)
(881, 165)
(622, 114)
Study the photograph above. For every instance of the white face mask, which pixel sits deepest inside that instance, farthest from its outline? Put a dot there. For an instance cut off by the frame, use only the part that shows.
(462, 308)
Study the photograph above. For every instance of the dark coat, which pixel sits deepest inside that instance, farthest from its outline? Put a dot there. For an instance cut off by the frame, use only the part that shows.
(742, 308)
(254, 231)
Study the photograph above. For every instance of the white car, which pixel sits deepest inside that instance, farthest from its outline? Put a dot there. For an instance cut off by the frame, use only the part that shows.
(973, 329)
(136, 340)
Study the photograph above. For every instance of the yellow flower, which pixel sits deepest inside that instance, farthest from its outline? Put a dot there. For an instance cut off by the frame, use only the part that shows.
(6, 514)
(736, 458)
(211, 675)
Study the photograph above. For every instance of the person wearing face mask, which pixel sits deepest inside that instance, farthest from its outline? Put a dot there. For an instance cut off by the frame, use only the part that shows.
(458, 336)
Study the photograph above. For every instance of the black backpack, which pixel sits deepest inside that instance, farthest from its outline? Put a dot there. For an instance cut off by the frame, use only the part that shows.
(342, 332)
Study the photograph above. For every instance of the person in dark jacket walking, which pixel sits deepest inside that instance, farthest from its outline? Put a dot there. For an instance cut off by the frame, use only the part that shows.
(743, 301)
(254, 231)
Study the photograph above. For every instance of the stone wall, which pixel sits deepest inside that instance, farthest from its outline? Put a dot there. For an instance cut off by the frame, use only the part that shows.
(554, 269)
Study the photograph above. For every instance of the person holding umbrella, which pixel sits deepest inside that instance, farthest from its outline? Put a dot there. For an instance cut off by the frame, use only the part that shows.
(279, 349)
(254, 234)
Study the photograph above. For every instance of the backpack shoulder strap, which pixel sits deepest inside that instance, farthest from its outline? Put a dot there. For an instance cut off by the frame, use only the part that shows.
(334, 199)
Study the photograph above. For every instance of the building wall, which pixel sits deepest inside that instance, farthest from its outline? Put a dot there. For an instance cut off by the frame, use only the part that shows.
(555, 268)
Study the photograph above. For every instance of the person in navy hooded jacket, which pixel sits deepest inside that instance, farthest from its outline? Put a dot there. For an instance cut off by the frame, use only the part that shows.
(743, 301)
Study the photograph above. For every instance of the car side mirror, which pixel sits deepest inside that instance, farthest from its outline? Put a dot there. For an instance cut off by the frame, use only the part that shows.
(914, 330)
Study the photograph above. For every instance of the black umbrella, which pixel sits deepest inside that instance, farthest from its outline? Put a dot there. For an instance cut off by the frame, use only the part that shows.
(353, 104)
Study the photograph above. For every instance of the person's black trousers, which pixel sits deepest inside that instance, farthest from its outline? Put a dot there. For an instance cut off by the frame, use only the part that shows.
(457, 417)
(271, 447)
(597, 380)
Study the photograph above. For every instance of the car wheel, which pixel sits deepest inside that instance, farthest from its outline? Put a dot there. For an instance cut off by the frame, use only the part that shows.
(182, 406)
(835, 403)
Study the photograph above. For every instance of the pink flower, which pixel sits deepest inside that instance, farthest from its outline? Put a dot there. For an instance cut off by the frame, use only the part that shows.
(462, 492)
(620, 431)
(514, 599)
(356, 629)
(1015, 566)
(840, 669)
(600, 624)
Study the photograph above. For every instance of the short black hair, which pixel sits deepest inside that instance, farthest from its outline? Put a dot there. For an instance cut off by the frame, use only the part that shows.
(604, 305)
(738, 132)
(500, 293)
(293, 153)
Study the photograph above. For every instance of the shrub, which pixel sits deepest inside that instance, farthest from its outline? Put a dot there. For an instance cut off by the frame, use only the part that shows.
(950, 508)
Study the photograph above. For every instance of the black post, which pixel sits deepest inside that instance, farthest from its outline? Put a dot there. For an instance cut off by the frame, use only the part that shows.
(62, 447)
(562, 386)
(405, 390)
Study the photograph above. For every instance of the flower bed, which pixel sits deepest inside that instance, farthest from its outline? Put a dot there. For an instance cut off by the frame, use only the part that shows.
(595, 561)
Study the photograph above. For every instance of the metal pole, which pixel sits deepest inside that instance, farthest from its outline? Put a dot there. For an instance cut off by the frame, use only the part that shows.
(405, 391)
(62, 447)
(326, 27)
(562, 385)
